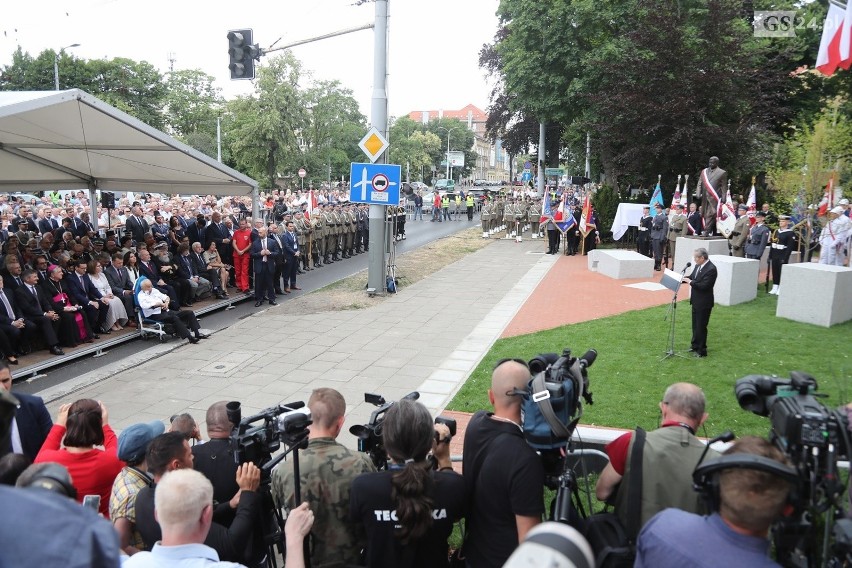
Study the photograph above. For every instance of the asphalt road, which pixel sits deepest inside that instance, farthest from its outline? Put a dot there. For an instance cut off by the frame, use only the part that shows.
(418, 234)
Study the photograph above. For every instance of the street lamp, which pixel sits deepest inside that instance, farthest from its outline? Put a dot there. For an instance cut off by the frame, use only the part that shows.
(56, 64)
(448, 146)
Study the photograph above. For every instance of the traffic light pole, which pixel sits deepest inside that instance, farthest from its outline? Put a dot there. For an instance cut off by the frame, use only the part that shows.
(376, 283)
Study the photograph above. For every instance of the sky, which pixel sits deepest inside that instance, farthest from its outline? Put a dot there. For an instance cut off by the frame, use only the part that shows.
(432, 61)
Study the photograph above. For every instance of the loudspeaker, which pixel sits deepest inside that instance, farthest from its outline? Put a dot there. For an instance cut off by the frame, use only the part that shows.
(108, 200)
(705, 478)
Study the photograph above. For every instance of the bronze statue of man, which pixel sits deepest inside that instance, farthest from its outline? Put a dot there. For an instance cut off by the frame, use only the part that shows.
(712, 184)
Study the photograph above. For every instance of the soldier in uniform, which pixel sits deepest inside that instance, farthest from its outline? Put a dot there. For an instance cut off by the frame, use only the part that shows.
(302, 239)
(659, 229)
(783, 243)
(330, 233)
(758, 237)
(643, 239)
(739, 234)
(534, 215)
(572, 236)
(497, 214)
(326, 471)
(318, 225)
(348, 240)
(365, 216)
(359, 230)
(485, 219)
(677, 228)
(834, 238)
(509, 217)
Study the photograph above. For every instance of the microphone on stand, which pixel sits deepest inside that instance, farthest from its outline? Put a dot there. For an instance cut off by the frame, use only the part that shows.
(688, 264)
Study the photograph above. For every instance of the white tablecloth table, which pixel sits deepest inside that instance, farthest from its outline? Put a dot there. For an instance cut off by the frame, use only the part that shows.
(628, 215)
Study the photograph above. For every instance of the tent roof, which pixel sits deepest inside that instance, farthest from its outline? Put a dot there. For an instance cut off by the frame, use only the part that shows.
(70, 139)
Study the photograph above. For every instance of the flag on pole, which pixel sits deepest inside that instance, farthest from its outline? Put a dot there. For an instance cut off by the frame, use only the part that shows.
(547, 211)
(725, 217)
(587, 221)
(835, 46)
(751, 203)
(675, 198)
(827, 199)
(657, 197)
(564, 217)
(312, 204)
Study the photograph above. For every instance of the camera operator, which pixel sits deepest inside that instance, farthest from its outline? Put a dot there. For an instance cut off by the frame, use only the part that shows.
(169, 452)
(326, 469)
(408, 511)
(503, 475)
(669, 455)
(215, 459)
(736, 535)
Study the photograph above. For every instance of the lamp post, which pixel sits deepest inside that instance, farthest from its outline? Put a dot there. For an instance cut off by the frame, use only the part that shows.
(56, 64)
(448, 146)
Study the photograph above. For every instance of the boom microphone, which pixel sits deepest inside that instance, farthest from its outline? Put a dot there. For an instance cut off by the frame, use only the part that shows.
(588, 359)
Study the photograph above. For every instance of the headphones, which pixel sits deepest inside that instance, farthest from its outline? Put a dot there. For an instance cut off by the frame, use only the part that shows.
(55, 478)
(705, 478)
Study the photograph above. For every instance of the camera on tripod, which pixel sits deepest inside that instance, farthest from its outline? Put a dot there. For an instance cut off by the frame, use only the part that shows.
(255, 438)
(813, 437)
(370, 434)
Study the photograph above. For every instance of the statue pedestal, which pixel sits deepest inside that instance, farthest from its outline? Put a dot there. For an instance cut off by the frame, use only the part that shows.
(736, 282)
(815, 293)
(624, 264)
(593, 259)
(686, 248)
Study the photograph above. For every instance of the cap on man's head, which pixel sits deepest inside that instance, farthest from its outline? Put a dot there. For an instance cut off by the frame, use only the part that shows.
(98, 242)
(742, 206)
(843, 201)
(784, 217)
(160, 246)
(760, 214)
(837, 210)
(646, 207)
(678, 205)
(133, 440)
(658, 206)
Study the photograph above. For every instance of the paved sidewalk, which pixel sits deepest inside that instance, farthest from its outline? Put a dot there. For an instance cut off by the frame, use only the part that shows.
(428, 337)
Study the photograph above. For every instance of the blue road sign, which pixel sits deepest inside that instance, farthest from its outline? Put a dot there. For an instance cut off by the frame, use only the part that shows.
(526, 176)
(376, 184)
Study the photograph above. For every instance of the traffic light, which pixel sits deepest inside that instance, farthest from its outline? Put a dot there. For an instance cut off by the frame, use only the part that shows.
(242, 54)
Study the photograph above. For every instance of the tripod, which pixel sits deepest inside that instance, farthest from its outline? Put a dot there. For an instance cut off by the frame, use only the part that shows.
(672, 311)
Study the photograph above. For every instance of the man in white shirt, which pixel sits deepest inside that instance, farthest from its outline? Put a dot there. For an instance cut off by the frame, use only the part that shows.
(183, 506)
(155, 306)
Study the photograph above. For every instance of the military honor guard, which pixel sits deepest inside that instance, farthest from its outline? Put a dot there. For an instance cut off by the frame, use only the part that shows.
(783, 242)
(677, 228)
(739, 235)
(643, 238)
(758, 237)
(659, 230)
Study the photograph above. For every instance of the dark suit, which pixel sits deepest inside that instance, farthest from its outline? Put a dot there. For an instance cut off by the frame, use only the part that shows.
(152, 273)
(34, 423)
(701, 297)
(137, 226)
(216, 233)
(31, 225)
(291, 247)
(33, 308)
(196, 234)
(119, 281)
(10, 282)
(17, 336)
(45, 226)
(211, 274)
(82, 291)
(79, 228)
(279, 263)
(263, 271)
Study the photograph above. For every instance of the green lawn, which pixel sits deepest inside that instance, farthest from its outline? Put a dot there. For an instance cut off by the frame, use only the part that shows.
(628, 378)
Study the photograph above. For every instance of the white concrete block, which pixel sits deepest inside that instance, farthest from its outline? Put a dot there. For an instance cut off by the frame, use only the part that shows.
(593, 260)
(686, 246)
(815, 293)
(795, 258)
(736, 282)
(621, 264)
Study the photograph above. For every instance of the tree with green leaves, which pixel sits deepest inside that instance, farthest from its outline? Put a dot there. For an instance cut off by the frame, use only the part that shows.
(412, 147)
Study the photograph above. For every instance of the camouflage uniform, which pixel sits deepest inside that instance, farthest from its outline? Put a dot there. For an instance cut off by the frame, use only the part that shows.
(534, 214)
(327, 470)
(330, 232)
(485, 218)
(351, 221)
(318, 224)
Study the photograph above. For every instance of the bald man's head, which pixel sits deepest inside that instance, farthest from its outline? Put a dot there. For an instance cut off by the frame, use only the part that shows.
(505, 379)
(218, 425)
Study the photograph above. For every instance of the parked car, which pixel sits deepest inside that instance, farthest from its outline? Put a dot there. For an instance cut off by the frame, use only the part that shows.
(443, 185)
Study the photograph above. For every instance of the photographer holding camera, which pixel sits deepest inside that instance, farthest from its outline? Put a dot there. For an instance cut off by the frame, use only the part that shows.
(408, 511)
(503, 474)
(748, 489)
(327, 469)
(668, 456)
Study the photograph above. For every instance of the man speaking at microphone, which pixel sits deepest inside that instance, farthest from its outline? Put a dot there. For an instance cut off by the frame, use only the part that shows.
(701, 281)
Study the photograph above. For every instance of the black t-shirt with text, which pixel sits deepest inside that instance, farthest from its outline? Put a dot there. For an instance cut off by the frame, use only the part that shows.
(371, 505)
(504, 477)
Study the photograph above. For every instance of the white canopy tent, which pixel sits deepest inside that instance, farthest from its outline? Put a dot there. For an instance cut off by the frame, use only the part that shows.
(70, 139)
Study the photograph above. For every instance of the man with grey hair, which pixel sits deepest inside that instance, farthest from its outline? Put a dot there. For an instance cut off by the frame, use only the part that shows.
(701, 282)
(668, 456)
(183, 506)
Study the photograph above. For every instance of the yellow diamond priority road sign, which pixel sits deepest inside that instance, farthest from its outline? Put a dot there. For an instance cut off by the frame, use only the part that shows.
(373, 144)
